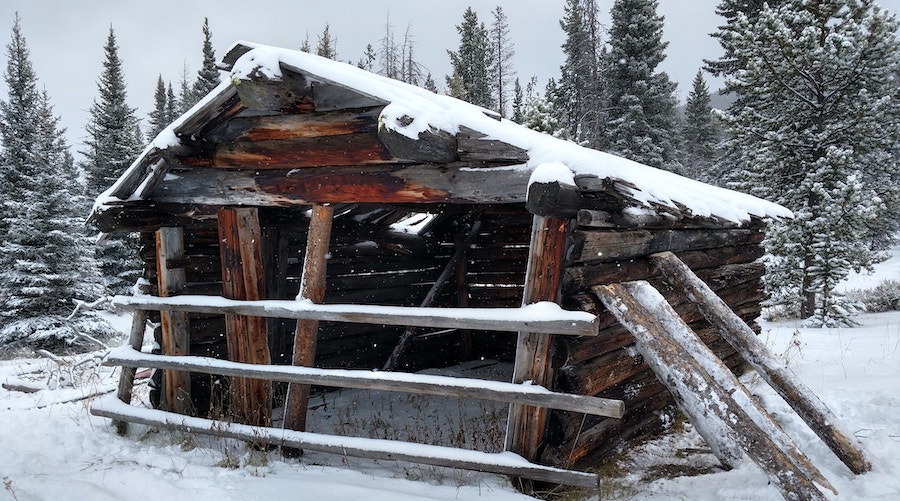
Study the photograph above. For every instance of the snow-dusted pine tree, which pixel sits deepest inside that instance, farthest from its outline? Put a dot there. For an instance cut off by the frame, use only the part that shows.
(538, 112)
(641, 121)
(700, 134)
(579, 95)
(327, 44)
(159, 117)
(473, 61)
(110, 148)
(819, 124)
(518, 103)
(502, 71)
(208, 74)
(45, 259)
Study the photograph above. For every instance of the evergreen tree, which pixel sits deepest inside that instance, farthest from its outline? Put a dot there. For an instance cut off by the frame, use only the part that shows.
(44, 259)
(185, 93)
(699, 133)
(208, 74)
(305, 46)
(429, 84)
(580, 99)
(642, 121)
(159, 117)
(112, 146)
(503, 52)
(538, 113)
(473, 61)
(327, 45)
(368, 60)
(518, 103)
(171, 104)
(817, 133)
(729, 64)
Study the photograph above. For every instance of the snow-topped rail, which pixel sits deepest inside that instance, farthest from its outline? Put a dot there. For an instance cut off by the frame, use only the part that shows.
(542, 317)
(504, 462)
(524, 394)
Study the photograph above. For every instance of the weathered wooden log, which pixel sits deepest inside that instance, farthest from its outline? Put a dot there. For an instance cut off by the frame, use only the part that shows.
(632, 218)
(243, 278)
(608, 246)
(725, 425)
(293, 153)
(807, 405)
(277, 127)
(126, 376)
(526, 425)
(404, 341)
(475, 146)
(312, 288)
(431, 145)
(553, 198)
(356, 447)
(175, 325)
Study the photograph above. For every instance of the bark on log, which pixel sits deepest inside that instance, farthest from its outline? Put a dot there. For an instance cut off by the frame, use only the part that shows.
(725, 425)
(610, 246)
(126, 376)
(807, 405)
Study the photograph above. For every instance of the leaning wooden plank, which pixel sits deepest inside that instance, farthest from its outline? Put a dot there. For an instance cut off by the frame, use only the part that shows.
(126, 376)
(503, 463)
(725, 426)
(377, 380)
(777, 374)
(540, 317)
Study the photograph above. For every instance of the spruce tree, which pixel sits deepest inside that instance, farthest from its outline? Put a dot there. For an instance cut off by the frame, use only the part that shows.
(159, 117)
(642, 122)
(579, 97)
(816, 134)
(503, 52)
(699, 133)
(327, 45)
(208, 74)
(45, 261)
(112, 146)
(517, 103)
(473, 61)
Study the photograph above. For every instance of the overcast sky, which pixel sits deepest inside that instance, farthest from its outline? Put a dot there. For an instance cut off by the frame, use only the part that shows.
(66, 38)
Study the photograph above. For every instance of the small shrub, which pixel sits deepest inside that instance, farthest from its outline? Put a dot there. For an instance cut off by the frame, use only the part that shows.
(883, 297)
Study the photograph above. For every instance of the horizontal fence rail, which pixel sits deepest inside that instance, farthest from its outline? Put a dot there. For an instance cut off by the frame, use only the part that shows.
(543, 317)
(525, 394)
(505, 463)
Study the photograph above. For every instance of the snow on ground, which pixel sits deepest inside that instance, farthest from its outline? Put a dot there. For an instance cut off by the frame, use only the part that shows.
(57, 451)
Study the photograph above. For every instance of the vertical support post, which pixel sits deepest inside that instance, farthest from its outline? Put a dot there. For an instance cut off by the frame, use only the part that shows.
(126, 377)
(243, 277)
(312, 288)
(543, 276)
(175, 325)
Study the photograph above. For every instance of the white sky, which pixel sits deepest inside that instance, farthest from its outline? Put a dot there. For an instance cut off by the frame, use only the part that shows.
(66, 38)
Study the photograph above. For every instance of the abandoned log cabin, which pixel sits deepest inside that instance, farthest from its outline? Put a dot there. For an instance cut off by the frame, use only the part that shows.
(304, 176)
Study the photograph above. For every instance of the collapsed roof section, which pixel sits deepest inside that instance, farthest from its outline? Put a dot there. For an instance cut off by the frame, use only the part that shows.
(290, 128)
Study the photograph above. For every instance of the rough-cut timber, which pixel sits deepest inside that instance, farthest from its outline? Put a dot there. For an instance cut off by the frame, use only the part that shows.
(725, 425)
(543, 276)
(175, 325)
(243, 278)
(738, 334)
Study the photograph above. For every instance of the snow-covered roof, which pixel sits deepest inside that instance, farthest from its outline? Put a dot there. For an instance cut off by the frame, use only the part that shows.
(411, 111)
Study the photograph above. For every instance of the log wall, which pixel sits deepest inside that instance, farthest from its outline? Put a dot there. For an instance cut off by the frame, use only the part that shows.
(608, 365)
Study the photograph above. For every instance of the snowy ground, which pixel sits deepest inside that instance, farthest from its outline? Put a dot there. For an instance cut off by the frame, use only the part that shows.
(57, 451)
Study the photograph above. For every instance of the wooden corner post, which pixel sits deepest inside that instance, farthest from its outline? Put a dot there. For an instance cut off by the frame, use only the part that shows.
(175, 326)
(243, 277)
(543, 276)
(312, 288)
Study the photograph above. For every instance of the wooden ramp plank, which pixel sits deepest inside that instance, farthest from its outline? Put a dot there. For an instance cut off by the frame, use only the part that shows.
(503, 463)
(725, 425)
(387, 381)
(804, 402)
(543, 317)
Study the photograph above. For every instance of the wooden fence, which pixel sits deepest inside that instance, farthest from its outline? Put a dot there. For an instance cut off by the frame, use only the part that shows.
(534, 318)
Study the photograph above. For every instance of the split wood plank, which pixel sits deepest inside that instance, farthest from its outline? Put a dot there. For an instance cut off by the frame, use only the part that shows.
(243, 277)
(312, 288)
(543, 277)
(501, 463)
(734, 330)
(175, 324)
(370, 380)
(532, 318)
(726, 426)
